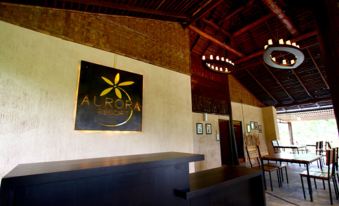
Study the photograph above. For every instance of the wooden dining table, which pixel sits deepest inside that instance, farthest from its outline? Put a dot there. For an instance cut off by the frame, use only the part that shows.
(306, 159)
(292, 147)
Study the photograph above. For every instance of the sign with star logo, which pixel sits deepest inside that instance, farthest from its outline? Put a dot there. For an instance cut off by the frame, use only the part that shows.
(108, 99)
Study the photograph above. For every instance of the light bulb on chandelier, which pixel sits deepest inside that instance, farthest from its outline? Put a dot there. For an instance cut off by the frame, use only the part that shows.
(218, 64)
(291, 48)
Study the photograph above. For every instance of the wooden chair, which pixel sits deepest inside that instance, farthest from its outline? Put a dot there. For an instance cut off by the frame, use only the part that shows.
(319, 147)
(254, 160)
(327, 175)
(275, 143)
(280, 166)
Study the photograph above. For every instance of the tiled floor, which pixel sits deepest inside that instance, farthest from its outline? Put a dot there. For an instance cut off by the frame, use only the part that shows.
(291, 194)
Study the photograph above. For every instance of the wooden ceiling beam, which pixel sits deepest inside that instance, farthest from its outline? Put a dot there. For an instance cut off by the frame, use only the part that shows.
(261, 52)
(311, 101)
(278, 82)
(204, 9)
(214, 40)
(252, 25)
(301, 83)
(281, 15)
(237, 11)
(216, 27)
(262, 87)
(123, 7)
(195, 41)
(318, 69)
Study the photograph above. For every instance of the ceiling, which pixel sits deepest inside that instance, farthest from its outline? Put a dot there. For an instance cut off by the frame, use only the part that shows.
(238, 29)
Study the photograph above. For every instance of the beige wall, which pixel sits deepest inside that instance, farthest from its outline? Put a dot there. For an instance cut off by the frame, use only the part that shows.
(270, 120)
(38, 80)
(207, 144)
(210, 147)
(246, 113)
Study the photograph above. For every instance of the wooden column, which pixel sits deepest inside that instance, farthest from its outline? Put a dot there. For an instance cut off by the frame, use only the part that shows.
(290, 132)
(327, 15)
(233, 143)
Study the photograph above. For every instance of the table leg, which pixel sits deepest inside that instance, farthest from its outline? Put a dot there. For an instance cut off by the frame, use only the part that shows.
(309, 182)
(263, 177)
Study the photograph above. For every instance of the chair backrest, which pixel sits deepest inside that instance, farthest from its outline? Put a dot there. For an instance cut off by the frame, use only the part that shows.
(319, 146)
(327, 145)
(336, 158)
(275, 143)
(331, 160)
(253, 155)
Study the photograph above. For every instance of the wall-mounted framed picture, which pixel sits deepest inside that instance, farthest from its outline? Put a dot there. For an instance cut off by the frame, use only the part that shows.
(108, 99)
(199, 128)
(208, 127)
(260, 128)
(248, 128)
(256, 125)
(252, 125)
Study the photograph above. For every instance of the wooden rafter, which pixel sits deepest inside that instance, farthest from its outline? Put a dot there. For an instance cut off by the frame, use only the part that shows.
(214, 40)
(237, 11)
(111, 5)
(204, 9)
(311, 101)
(262, 87)
(278, 82)
(252, 25)
(317, 67)
(195, 41)
(216, 27)
(281, 16)
(301, 83)
(259, 53)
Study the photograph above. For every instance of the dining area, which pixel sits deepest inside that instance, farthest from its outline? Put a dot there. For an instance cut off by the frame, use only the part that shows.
(298, 174)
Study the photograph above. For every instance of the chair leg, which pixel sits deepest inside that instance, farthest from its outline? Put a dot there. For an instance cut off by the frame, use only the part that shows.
(329, 189)
(286, 175)
(282, 175)
(279, 177)
(315, 184)
(302, 184)
(324, 184)
(271, 181)
(264, 181)
(335, 184)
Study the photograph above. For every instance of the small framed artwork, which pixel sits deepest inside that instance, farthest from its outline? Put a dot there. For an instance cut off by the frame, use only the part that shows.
(208, 128)
(217, 137)
(248, 128)
(256, 125)
(252, 125)
(260, 128)
(199, 128)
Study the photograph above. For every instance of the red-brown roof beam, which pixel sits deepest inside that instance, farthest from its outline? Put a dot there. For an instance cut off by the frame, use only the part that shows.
(214, 40)
(281, 15)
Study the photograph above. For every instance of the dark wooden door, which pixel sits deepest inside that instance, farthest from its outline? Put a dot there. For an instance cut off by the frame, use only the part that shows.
(226, 156)
(225, 142)
(237, 125)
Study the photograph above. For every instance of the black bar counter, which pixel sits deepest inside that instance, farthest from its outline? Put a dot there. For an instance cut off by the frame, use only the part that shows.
(148, 179)
(227, 185)
(159, 179)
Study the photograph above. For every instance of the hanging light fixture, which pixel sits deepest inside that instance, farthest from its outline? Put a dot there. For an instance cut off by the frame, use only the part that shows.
(218, 64)
(291, 48)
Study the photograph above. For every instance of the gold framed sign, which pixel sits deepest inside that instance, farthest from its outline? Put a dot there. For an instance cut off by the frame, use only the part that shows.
(108, 99)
